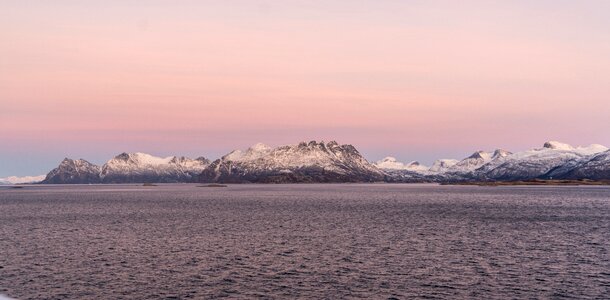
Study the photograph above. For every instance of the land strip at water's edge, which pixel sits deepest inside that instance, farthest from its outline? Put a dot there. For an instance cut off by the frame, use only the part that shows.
(531, 182)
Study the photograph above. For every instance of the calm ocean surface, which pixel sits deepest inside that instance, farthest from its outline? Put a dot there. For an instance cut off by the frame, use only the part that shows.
(377, 241)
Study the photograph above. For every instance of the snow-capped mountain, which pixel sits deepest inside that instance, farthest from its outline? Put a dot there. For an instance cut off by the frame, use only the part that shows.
(396, 171)
(591, 149)
(142, 167)
(470, 163)
(499, 153)
(331, 162)
(128, 168)
(595, 166)
(21, 180)
(303, 162)
(554, 160)
(536, 163)
(442, 165)
(390, 163)
(72, 171)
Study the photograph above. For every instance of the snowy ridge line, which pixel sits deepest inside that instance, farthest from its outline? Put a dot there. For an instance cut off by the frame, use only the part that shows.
(128, 168)
(554, 160)
(22, 180)
(331, 162)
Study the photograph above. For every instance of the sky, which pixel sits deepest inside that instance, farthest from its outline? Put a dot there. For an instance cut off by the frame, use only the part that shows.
(418, 80)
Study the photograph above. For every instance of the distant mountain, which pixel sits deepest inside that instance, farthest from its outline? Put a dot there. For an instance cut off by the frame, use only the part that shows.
(21, 180)
(74, 171)
(499, 153)
(595, 166)
(330, 162)
(128, 168)
(390, 163)
(554, 160)
(142, 167)
(303, 162)
(442, 165)
(536, 163)
(396, 171)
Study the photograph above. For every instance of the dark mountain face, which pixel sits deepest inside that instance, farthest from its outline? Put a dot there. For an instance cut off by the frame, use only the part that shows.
(78, 171)
(597, 167)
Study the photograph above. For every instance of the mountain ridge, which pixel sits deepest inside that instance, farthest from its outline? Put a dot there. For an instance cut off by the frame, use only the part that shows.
(135, 167)
(319, 161)
(304, 162)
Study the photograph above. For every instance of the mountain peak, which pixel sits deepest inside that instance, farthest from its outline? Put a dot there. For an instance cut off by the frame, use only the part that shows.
(414, 164)
(259, 147)
(555, 145)
(480, 155)
(123, 156)
(310, 144)
(313, 161)
(254, 152)
(388, 159)
(390, 163)
(500, 153)
(73, 171)
(140, 158)
(441, 165)
(332, 144)
(142, 167)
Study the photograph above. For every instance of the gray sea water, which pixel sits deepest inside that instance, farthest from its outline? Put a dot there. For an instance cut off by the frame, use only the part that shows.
(377, 241)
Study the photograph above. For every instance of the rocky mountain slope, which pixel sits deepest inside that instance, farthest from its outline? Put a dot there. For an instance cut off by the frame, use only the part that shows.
(331, 162)
(536, 163)
(390, 163)
(128, 168)
(554, 160)
(442, 165)
(595, 167)
(73, 171)
(303, 162)
(142, 167)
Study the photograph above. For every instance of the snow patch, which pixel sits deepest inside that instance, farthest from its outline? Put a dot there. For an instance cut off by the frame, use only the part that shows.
(442, 165)
(558, 146)
(592, 149)
(499, 153)
(148, 159)
(20, 180)
(391, 163)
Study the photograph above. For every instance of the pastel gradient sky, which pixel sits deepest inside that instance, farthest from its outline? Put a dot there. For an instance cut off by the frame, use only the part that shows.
(418, 80)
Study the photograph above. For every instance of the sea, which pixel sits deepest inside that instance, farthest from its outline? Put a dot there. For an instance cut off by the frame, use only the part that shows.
(304, 241)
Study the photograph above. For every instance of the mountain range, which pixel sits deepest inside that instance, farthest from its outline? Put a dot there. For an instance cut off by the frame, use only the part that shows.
(554, 160)
(309, 162)
(128, 168)
(303, 162)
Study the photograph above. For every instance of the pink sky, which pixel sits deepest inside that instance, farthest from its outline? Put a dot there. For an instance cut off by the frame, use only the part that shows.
(418, 80)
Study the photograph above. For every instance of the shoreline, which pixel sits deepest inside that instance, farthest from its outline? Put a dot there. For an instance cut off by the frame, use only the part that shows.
(548, 182)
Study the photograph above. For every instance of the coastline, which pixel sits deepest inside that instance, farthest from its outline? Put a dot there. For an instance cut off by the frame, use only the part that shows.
(551, 182)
